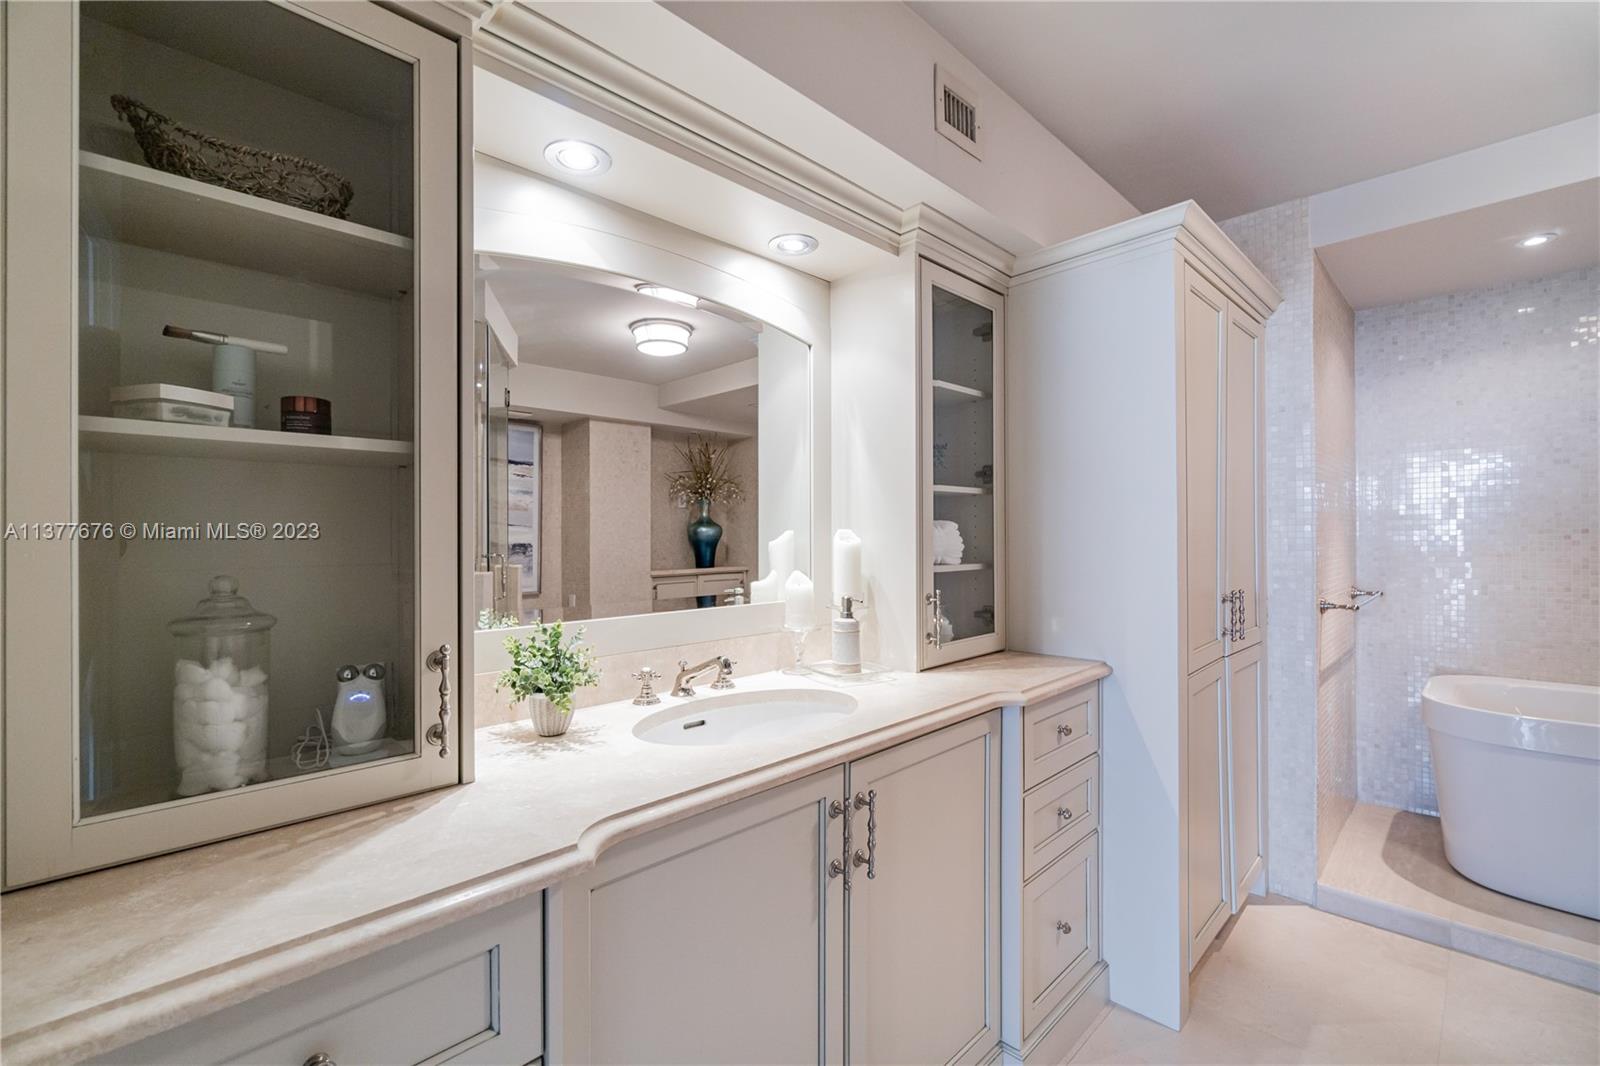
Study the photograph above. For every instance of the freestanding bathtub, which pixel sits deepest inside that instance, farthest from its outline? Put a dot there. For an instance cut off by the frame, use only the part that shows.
(1517, 766)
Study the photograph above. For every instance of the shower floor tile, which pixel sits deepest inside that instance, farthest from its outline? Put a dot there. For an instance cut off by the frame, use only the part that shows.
(1388, 869)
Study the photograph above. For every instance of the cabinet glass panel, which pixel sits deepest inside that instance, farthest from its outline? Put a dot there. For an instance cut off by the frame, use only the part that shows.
(246, 365)
(963, 465)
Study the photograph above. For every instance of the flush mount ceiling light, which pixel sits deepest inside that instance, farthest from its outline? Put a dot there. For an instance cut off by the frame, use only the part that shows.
(1537, 239)
(661, 337)
(793, 244)
(661, 292)
(577, 157)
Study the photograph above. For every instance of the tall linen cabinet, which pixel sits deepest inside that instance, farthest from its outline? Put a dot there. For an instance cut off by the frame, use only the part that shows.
(1136, 529)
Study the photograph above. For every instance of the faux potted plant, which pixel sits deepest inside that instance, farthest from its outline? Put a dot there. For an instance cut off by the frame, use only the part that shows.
(706, 478)
(546, 669)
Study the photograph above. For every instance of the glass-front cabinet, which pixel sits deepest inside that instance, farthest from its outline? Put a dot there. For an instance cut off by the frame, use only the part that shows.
(231, 413)
(963, 491)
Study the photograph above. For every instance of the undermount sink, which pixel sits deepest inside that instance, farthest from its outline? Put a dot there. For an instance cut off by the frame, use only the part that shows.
(745, 717)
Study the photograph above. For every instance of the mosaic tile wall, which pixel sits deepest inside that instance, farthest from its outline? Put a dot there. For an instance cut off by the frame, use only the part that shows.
(1278, 241)
(1333, 355)
(1478, 506)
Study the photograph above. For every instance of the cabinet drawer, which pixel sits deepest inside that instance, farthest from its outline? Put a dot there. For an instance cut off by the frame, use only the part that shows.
(1059, 732)
(1058, 814)
(1060, 930)
(676, 590)
(468, 993)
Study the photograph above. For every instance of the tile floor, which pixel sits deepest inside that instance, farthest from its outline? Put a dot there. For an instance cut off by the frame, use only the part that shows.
(1289, 984)
(1388, 869)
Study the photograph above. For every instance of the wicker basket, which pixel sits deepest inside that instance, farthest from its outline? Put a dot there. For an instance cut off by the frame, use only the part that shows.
(286, 179)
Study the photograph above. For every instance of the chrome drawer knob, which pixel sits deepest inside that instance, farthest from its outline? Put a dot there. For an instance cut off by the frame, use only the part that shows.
(1061, 927)
(1064, 814)
(319, 1059)
(1063, 731)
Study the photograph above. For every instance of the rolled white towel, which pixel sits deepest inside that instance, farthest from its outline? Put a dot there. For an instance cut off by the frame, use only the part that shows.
(948, 546)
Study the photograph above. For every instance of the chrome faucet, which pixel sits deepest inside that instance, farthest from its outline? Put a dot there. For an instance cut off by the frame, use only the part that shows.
(683, 684)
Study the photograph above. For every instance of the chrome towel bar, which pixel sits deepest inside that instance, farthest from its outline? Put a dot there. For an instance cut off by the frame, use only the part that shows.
(1359, 598)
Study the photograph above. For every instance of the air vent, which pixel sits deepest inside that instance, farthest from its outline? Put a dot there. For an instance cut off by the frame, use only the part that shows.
(955, 112)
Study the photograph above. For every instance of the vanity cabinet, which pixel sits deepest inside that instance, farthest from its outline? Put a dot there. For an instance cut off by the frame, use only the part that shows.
(853, 914)
(1052, 972)
(137, 723)
(471, 992)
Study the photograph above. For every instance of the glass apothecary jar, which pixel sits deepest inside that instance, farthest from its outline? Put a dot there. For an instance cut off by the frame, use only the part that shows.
(219, 693)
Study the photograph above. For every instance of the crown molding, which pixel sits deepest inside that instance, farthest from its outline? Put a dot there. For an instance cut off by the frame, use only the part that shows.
(547, 57)
(930, 231)
(579, 72)
(1184, 224)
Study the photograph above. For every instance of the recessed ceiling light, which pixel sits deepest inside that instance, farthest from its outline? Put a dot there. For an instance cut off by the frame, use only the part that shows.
(793, 244)
(577, 157)
(1537, 239)
(661, 337)
(677, 296)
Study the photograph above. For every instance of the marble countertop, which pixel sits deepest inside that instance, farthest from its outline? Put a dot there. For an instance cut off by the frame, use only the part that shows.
(97, 961)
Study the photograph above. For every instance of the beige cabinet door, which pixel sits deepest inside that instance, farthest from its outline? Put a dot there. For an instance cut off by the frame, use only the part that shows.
(1204, 837)
(140, 724)
(1243, 448)
(924, 907)
(962, 437)
(719, 940)
(1203, 336)
(1247, 738)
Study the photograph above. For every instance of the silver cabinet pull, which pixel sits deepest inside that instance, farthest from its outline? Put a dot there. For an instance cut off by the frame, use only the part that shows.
(1063, 814)
(320, 1059)
(1063, 731)
(1242, 623)
(838, 867)
(934, 635)
(868, 858)
(1064, 928)
(439, 732)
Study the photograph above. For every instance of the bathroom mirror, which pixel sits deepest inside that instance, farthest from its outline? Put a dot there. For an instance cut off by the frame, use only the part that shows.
(639, 446)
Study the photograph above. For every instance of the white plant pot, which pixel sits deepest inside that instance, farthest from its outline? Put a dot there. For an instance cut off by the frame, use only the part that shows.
(548, 719)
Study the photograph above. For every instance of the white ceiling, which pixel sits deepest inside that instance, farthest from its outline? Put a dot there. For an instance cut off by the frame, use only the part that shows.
(1469, 249)
(1245, 105)
(579, 321)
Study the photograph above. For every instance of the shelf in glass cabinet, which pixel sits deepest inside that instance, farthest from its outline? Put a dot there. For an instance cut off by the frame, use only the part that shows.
(962, 490)
(146, 207)
(947, 394)
(97, 432)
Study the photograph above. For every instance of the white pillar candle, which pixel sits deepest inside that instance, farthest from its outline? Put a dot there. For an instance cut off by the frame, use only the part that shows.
(799, 602)
(768, 590)
(847, 579)
(780, 556)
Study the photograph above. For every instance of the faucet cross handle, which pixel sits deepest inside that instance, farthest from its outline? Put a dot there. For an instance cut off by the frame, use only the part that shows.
(724, 679)
(647, 694)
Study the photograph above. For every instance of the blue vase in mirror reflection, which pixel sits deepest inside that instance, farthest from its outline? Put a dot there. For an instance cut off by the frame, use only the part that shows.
(704, 536)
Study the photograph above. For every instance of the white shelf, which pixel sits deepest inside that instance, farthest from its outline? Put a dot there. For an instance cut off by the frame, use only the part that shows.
(225, 442)
(961, 490)
(949, 394)
(146, 207)
(960, 568)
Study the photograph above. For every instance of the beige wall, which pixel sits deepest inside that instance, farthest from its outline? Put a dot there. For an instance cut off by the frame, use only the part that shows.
(605, 529)
(669, 541)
